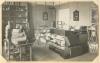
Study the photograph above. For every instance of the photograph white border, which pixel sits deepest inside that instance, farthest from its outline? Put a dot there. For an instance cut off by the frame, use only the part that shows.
(2, 60)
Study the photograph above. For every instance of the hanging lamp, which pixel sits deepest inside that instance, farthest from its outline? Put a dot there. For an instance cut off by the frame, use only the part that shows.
(53, 7)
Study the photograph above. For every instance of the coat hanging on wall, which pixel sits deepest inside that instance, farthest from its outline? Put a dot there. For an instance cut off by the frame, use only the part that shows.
(76, 15)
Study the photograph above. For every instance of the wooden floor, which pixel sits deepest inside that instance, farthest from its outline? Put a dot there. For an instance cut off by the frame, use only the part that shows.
(45, 54)
(41, 52)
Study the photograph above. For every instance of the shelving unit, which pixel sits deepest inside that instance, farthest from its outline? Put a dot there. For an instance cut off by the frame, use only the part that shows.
(15, 13)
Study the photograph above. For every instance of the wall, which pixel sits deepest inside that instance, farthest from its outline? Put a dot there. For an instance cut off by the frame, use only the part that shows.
(84, 13)
(37, 16)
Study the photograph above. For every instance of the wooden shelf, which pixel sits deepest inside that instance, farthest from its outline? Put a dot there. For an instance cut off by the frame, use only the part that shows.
(16, 12)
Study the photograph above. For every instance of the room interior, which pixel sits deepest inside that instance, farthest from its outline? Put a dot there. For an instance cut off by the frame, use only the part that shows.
(43, 31)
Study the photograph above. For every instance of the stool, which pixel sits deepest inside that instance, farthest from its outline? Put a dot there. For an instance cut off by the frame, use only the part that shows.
(30, 50)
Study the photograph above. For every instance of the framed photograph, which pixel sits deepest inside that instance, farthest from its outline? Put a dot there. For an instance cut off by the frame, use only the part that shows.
(94, 15)
(45, 15)
(46, 34)
(76, 15)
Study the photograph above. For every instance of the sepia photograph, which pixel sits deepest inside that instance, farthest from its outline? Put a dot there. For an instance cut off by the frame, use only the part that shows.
(50, 30)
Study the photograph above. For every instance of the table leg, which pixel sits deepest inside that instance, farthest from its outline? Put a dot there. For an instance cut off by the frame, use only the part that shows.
(30, 53)
(20, 53)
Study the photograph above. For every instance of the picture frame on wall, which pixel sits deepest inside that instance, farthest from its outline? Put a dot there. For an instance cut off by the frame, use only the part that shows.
(76, 15)
(94, 15)
(45, 15)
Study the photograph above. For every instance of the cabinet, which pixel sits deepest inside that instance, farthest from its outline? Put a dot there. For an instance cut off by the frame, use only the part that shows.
(14, 14)
(74, 43)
